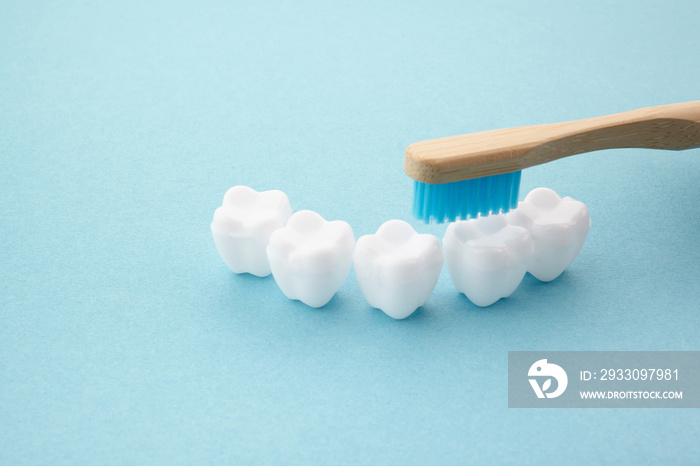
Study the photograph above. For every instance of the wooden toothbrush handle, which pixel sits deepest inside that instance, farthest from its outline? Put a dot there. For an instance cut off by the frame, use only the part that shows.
(674, 127)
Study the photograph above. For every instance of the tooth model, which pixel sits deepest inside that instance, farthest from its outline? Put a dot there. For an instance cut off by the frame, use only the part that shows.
(243, 224)
(558, 228)
(486, 257)
(310, 257)
(397, 268)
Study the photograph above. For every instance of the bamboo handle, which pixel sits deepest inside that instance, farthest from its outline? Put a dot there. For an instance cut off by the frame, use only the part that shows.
(674, 127)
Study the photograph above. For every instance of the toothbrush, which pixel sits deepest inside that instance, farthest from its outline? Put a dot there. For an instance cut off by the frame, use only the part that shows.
(479, 173)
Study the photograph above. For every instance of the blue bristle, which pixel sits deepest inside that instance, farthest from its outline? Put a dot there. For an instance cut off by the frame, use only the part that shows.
(448, 202)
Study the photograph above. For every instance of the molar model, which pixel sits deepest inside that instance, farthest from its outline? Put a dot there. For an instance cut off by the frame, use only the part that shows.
(558, 228)
(310, 257)
(397, 268)
(243, 224)
(486, 257)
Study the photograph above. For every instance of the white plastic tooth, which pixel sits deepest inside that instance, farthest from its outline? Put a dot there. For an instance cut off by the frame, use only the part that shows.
(558, 228)
(243, 224)
(397, 268)
(310, 257)
(486, 257)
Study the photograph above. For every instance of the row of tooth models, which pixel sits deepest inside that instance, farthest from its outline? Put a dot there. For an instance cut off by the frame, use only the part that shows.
(397, 268)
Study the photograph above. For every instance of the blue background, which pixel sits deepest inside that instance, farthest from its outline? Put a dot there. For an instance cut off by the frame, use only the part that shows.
(125, 339)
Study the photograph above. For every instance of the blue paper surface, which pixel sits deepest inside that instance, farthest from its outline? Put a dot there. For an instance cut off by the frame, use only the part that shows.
(124, 339)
